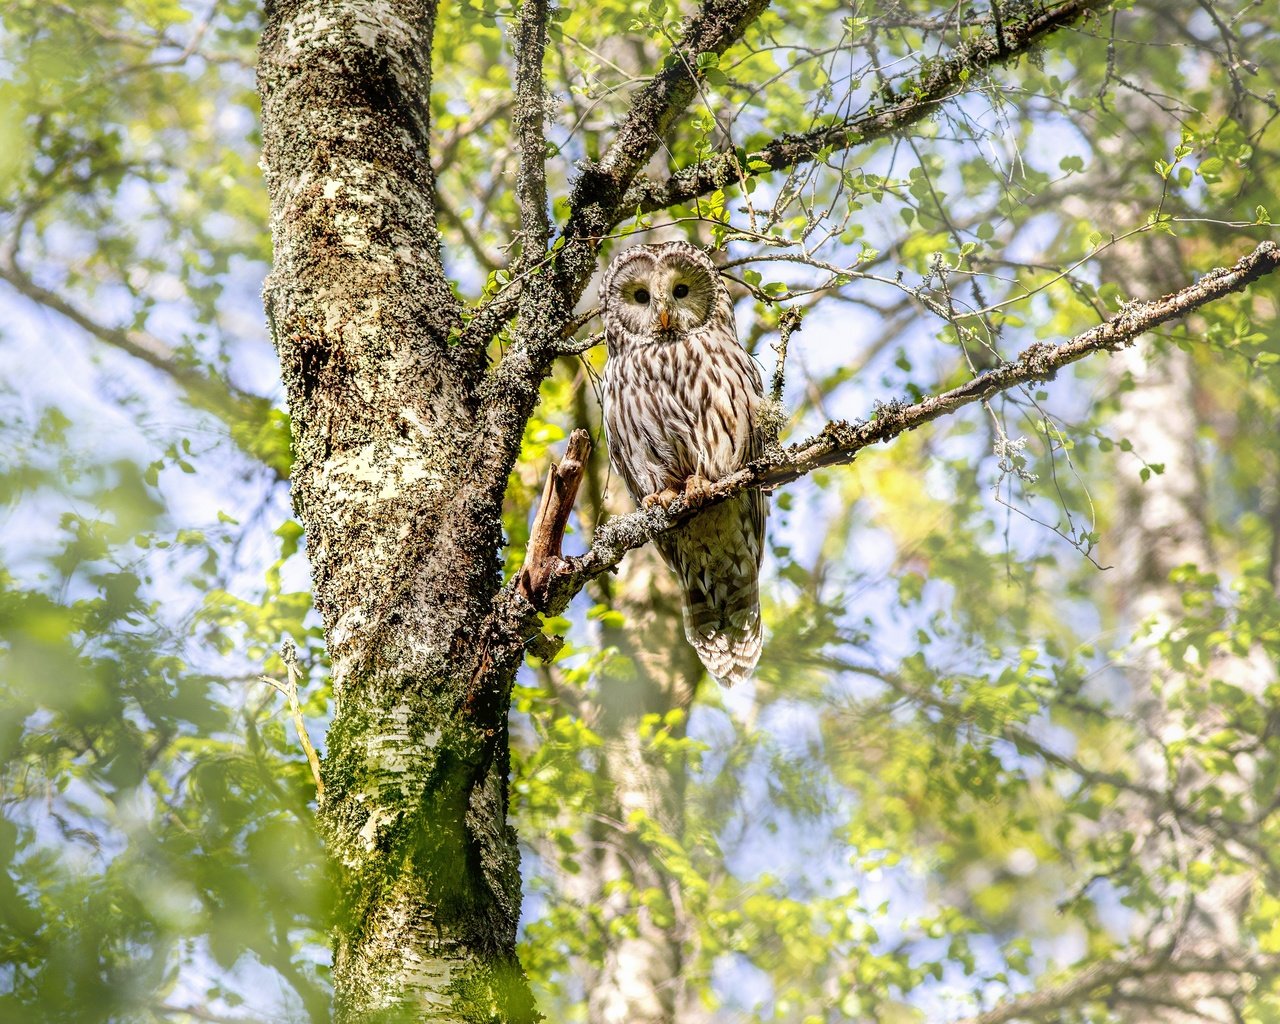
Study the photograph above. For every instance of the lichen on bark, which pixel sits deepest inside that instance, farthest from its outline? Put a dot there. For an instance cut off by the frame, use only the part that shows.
(384, 414)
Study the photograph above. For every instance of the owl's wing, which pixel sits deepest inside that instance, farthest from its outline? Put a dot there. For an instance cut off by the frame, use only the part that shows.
(748, 372)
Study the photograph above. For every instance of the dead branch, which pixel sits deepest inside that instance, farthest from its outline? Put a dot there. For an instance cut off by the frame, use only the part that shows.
(543, 559)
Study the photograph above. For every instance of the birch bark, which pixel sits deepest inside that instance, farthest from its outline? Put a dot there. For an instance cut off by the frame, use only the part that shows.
(403, 559)
(1163, 523)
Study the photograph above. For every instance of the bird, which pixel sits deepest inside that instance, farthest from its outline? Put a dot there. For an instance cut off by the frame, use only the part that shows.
(682, 409)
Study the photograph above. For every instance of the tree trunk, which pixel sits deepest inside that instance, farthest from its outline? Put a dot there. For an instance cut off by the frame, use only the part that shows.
(1162, 523)
(642, 980)
(403, 551)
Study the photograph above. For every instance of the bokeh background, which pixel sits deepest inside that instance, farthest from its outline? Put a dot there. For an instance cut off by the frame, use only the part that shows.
(1016, 717)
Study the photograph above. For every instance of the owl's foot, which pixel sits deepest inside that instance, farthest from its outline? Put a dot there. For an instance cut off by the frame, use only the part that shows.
(696, 490)
(664, 498)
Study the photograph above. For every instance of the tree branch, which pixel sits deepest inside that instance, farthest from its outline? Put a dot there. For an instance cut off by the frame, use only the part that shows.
(839, 442)
(596, 201)
(939, 81)
(543, 557)
(527, 125)
(1099, 977)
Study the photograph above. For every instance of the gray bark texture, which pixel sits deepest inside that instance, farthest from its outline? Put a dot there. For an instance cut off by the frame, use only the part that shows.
(403, 552)
(404, 437)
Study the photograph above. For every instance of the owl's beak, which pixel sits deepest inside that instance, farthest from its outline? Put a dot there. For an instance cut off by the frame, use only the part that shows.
(664, 318)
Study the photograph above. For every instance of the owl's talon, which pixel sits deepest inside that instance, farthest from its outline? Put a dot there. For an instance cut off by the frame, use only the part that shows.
(697, 489)
(664, 498)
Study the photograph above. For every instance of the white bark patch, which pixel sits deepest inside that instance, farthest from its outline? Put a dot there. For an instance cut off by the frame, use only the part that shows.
(377, 19)
(392, 748)
(305, 30)
(430, 978)
(348, 624)
(352, 229)
(390, 752)
(376, 472)
(400, 933)
(427, 977)
(368, 834)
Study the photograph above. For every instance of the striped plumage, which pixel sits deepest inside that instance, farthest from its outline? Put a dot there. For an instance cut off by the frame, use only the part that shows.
(681, 406)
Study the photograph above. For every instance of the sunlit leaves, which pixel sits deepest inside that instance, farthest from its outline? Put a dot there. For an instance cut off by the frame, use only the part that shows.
(935, 784)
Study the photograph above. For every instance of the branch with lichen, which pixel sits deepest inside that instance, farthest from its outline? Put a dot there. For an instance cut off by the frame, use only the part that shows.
(527, 125)
(939, 81)
(839, 442)
(596, 200)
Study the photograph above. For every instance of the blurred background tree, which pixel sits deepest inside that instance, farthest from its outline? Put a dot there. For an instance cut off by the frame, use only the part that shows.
(1011, 752)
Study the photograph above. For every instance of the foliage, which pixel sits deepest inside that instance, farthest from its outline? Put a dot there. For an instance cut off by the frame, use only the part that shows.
(975, 759)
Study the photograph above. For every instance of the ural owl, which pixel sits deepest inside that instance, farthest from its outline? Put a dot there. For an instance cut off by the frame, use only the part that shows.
(681, 407)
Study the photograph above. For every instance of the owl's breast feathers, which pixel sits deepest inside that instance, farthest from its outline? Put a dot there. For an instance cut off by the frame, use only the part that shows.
(679, 408)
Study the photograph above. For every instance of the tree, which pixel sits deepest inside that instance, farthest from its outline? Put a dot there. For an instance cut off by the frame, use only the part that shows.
(974, 187)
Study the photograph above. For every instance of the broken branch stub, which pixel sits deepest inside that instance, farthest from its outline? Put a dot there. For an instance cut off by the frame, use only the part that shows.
(543, 559)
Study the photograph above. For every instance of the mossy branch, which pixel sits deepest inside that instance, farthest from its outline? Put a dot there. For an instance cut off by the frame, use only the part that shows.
(839, 442)
(938, 82)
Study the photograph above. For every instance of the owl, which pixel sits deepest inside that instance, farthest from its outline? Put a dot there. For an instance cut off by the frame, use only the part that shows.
(682, 405)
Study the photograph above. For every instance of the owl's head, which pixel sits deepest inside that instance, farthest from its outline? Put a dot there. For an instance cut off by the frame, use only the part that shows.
(657, 293)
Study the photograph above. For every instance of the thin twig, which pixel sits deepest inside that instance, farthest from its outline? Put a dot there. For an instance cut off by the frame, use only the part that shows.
(289, 655)
(788, 323)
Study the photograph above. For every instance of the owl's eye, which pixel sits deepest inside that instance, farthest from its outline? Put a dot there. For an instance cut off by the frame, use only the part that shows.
(680, 291)
(642, 296)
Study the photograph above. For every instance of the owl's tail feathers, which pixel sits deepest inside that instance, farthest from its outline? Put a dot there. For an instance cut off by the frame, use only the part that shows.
(717, 560)
(727, 640)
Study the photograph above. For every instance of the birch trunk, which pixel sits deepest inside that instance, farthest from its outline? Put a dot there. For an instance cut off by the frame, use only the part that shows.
(1163, 524)
(403, 552)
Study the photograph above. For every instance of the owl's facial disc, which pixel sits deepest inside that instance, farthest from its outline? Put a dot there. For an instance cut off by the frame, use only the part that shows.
(684, 296)
(661, 297)
(632, 295)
